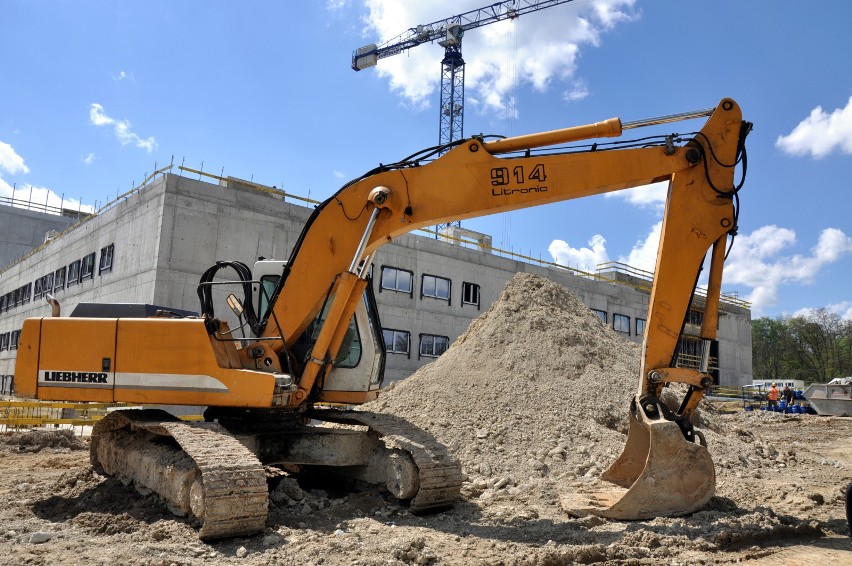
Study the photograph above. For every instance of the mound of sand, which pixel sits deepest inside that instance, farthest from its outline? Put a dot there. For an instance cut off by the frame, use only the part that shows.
(536, 387)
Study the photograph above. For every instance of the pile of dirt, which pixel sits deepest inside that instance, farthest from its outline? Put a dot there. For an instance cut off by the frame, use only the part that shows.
(58, 440)
(535, 389)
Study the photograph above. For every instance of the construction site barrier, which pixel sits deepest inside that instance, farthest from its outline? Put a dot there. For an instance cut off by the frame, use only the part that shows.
(28, 414)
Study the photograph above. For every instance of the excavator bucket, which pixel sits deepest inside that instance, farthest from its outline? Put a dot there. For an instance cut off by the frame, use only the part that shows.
(659, 474)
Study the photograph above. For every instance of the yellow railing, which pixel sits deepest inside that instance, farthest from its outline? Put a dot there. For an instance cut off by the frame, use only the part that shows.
(39, 413)
(646, 277)
(86, 217)
(27, 414)
(263, 188)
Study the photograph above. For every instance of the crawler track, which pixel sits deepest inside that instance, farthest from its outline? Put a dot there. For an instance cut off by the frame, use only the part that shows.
(440, 475)
(226, 491)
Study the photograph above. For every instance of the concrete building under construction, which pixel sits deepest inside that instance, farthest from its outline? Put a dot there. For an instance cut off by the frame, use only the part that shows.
(152, 246)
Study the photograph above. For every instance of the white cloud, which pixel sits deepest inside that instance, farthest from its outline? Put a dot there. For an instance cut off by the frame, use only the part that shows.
(537, 48)
(89, 159)
(578, 92)
(10, 161)
(644, 252)
(97, 116)
(652, 196)
(584, 259)
(820, 133)
(338, 174)
(763, 261)
(843, 309)
(336, 5)
(121, 128)
(36, 198)
(122, 75)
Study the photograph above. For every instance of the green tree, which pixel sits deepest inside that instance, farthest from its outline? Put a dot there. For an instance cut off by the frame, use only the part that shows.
(814, 348)
(768, 337)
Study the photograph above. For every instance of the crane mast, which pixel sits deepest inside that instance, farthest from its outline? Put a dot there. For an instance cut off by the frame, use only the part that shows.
(449, 32)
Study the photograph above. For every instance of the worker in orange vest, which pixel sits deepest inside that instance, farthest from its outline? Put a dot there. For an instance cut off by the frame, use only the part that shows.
(772, 396)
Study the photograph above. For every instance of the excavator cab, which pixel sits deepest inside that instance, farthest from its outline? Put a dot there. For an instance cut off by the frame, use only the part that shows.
(360, 361)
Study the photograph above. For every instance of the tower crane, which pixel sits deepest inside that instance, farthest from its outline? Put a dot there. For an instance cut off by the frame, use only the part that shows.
(449, 32)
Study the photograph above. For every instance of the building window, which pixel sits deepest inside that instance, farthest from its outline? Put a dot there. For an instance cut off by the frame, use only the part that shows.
(106, 259)
(435, 287)
(4, 341)
(432, 346)
(87, 267)
(73, 273)
(13, 339)
(3, 301)
(470, 294)
(395, 279)
(621, 323)
(59, 279)
(43, 286)
(26, 293)
(640, 327)
(601, 314)
(694, 317)
(47, 283)
(397, 341)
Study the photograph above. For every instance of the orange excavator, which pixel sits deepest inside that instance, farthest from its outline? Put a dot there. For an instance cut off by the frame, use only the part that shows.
(316, 340)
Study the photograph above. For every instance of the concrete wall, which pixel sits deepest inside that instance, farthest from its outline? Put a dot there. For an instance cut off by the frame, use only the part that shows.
(735, 347)
(132, 226)
(22, 230)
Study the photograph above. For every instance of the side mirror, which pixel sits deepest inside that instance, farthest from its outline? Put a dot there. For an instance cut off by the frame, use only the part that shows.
(236, 305)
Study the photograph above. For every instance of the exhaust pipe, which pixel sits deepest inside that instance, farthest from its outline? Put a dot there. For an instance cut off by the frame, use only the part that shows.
(54, 305)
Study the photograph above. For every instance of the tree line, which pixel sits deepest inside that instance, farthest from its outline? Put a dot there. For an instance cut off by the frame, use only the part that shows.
(814, 348)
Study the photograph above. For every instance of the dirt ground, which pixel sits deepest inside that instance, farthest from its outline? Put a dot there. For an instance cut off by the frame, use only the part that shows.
(57, 511)
(527, 423)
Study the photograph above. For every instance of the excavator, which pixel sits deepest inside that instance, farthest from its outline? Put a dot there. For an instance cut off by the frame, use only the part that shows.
(285, 394)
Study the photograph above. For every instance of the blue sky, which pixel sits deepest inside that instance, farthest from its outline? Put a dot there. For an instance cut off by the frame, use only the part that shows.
(94, 94)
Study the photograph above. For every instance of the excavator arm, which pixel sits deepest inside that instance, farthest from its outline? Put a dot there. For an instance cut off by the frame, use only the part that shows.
(479, 177)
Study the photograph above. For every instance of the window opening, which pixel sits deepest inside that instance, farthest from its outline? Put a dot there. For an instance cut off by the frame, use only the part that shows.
(397, 341)
(87, 267)
(432, 345)
(395, 279)
(621, 323)
(59, 279)
(435, 287)
(107, 254)
(470, 294)
(73, 273)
